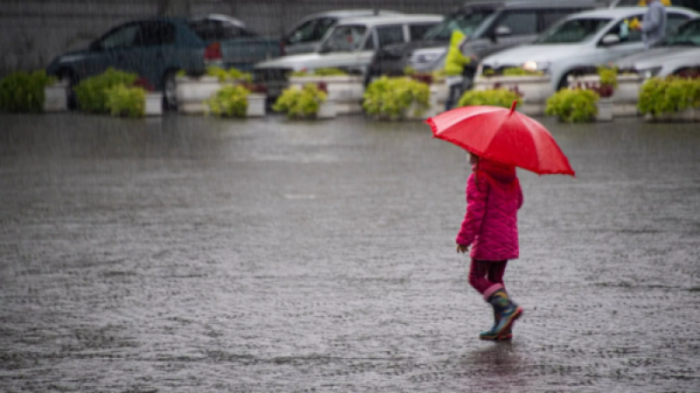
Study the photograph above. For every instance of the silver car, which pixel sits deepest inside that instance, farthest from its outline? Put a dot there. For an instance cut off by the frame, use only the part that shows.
(678, 53)
(306, 34)
(349, 45)
(585, 39)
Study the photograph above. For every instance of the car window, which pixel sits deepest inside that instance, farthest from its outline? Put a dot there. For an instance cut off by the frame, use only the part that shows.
(155, 33)
(346, 38)
(369, 43)
(674, 20)
(418, 31)
(687, 34)
(323, 26)
(304, 33)
(625, 33)
(551, 17)
(573, 31)
(121, 38)
(519, 22)
(387, 35)
(466, 22)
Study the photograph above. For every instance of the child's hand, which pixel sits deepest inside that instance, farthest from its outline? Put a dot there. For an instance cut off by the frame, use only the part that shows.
(462, 248)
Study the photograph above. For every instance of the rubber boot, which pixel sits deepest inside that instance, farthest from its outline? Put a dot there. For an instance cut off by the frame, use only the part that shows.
(491, 334)
(506, 311)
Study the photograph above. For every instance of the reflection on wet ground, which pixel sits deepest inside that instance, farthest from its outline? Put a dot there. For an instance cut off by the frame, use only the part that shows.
(192, 254)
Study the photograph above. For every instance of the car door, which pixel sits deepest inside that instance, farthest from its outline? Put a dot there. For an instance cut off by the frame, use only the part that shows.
(385, 35)
(155, 51)
(114, 49)
(512, 28)
(629, 41)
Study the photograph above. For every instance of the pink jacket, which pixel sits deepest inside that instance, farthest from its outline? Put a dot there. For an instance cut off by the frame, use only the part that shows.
(491, 223)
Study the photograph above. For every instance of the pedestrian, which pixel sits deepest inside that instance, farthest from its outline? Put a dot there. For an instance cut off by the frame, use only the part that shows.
(490, 227)
(454, 67)
(653, 25)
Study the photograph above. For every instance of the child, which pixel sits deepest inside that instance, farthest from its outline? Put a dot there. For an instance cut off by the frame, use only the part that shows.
(490, 227)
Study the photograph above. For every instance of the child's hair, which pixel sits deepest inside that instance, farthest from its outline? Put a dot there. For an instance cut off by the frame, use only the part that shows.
(473, 158)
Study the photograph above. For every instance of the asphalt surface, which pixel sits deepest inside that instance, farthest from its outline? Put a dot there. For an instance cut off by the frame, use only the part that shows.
(190, 254)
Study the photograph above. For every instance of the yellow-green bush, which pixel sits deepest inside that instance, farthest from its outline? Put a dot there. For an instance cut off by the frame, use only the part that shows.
(669, 95)
(573, 105)
(230, 101)
(232, 74)
(92, 92)
(494, 97)
(321, 72)
(390, 98)
(126, 101)
(300, 103)
(24, 92)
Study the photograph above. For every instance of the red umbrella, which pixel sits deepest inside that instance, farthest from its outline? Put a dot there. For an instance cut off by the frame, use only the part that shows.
(502, 135)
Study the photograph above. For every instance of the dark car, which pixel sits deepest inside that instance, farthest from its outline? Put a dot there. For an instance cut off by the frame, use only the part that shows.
(490, 26)
(691, 4)
(156, 48)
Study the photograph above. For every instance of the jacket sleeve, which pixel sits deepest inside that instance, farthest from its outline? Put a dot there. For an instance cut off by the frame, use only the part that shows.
(652, 19)
(477, 193)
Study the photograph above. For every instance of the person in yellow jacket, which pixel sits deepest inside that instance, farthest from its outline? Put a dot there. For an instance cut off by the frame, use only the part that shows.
(454, 66)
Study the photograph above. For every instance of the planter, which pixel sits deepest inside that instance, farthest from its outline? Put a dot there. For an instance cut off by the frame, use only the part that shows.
(534, 89)
(624, 97)
(438, 98)
(344, 90)
(192, 92)
(605, 109)
(56, 97)
(327, 110)
(154, 104)
(256, 105)
(686, 115)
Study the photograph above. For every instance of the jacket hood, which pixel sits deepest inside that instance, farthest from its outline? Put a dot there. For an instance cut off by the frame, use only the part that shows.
(500, 172)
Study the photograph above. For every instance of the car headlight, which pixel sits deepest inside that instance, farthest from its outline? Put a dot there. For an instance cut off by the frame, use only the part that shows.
(536, 65)
(650, 72)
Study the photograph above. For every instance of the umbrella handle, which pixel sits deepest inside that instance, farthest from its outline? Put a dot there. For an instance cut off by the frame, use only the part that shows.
(512, 107)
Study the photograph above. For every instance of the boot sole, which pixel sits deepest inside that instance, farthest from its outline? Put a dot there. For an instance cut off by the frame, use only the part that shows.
(504, 337)
(511, 319)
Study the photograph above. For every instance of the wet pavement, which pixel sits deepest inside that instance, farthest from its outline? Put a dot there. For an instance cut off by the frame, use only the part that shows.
(197, 255)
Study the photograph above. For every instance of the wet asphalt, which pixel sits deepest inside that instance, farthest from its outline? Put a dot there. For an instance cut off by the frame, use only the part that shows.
(190, 254)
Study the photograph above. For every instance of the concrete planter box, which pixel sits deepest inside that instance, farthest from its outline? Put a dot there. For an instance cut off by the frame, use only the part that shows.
(684, 116)
(56, 97)
(438, 97)
(344, 90)
(154, 104)
(624, 97)
(327, 110)
(605, 109)
(192, 92)
(534, 89)
(256, 105)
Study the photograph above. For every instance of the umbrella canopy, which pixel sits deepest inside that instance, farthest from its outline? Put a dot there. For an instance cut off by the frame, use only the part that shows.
(502, 135)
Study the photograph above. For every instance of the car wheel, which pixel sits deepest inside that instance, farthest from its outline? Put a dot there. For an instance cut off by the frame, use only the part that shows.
(564, 81)
(169, 91)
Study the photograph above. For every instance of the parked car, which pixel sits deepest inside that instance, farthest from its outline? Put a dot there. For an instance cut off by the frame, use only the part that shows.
(490, 26)
(349, 46)
(157, 48)
(586, 39)
(678, 53)
(692, 4)
(306, 35)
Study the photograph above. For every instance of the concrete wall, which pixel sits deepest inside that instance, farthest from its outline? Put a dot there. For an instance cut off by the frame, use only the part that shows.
(32, 32)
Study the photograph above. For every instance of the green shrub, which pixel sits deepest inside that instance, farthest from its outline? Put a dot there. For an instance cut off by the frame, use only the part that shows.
(573, 105)
(608, 76)
(24, 92)
(494, 97)
(232, 74)
(300, 103)
(320, 72)
(126, 101)
(390, 98)
(92, 92)
(230, 101)
(669, 95)
(518, 71)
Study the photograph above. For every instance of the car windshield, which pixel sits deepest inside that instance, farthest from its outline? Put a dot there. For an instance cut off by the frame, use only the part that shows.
(347, 38)
(466, 22)
(688, 34)
(573, 31)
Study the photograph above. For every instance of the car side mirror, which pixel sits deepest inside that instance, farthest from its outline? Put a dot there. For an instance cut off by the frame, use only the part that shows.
(502, 31)
(610, 39)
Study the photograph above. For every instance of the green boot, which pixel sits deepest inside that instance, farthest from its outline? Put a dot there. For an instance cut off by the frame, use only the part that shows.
(506, 311)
